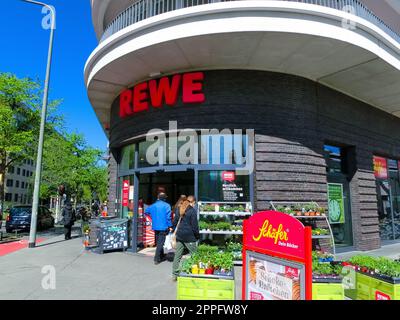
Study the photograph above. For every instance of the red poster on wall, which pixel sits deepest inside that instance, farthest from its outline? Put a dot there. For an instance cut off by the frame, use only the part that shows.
(125, 193)
(380, 168)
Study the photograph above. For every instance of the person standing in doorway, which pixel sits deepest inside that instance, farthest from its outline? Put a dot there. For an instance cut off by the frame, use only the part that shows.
(187, 232)
(68, 214)
(160, 213)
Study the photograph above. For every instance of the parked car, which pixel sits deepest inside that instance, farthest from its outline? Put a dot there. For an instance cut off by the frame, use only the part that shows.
(19, 218)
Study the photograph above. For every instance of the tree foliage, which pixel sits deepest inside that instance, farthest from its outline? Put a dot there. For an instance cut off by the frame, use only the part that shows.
(67, 159)
(70, 161)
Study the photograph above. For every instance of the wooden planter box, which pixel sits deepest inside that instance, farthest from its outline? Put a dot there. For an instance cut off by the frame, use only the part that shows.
(373, 288)
(327, 291)
(205, 287)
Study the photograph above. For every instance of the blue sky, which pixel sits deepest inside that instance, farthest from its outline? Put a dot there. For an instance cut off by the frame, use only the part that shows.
(23, 51)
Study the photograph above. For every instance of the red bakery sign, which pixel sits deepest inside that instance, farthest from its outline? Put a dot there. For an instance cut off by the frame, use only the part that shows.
(276, 231)
(165, 90)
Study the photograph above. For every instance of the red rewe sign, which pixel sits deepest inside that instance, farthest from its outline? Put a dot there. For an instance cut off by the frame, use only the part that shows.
(164, 90)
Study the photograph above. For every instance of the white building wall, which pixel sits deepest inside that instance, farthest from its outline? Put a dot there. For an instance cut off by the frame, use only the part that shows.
(19, 183)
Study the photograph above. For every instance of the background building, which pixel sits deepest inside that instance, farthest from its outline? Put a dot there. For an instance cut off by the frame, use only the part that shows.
(318, 84)
(19, 183)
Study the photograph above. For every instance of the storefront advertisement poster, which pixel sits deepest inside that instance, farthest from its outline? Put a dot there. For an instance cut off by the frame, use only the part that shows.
(336, 203)
(131, 192)
(380, 167)
(231, 191)
(268, 280)
(125, 193)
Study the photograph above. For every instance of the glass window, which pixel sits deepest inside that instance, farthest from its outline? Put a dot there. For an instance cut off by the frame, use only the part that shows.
(18, 171)
(223, 148)
(8, 197)
(10, 182)
(179, 151)
(334, 159)
(16, 197)
(388, 195)
(126, 194)
(148, 157)
(11, 169)
(17, 184)
(223, 186)
(128, 157)
(217, 149)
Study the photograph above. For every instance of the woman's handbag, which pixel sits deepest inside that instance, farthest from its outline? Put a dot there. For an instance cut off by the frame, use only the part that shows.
(173, 236)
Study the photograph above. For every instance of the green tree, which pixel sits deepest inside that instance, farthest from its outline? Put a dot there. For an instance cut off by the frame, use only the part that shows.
(20, 106)
(19, 117)
(69, 160)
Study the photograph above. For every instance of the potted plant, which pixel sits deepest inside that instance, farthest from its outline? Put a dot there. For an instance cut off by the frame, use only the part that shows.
(280, 209)
(297, 210)
(376, 272)
(210, 266)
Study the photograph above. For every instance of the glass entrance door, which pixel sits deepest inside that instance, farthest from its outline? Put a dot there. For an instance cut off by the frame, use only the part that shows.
(339, 194)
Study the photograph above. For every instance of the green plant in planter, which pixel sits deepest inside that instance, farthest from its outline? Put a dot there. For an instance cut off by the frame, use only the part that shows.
(221, 226)
(186, 265)
(234, 246)
(204, 248)
(203, 225)
(227, 261)
(326, 269)
(297, 207)
(208, 208)
(280, 208)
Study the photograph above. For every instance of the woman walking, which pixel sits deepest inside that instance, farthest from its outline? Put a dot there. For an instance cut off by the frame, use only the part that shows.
(175, 208)
(187, 232)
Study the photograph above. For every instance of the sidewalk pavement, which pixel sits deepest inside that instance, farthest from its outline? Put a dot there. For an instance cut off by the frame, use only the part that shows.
(82, 274)
(390, 250)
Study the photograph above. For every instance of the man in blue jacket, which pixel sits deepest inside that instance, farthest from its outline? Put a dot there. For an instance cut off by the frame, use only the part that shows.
(160, 212)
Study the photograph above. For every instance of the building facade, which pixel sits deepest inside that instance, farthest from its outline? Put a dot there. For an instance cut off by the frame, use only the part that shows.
(19, 183)
(301, 99)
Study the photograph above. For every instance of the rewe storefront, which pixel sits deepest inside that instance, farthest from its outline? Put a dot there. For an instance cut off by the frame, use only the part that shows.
(248, 139)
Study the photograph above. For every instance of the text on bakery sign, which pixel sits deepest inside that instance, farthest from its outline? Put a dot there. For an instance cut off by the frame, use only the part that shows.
(165, 90)
(268, 231)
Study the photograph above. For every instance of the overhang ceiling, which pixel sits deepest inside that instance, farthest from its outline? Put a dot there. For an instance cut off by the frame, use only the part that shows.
(306, 40)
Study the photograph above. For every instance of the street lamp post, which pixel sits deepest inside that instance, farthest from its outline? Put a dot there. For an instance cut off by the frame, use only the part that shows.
(38, 174)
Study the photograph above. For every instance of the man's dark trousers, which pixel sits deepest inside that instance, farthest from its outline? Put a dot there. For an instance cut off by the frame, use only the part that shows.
(67, 231)
(160, 239)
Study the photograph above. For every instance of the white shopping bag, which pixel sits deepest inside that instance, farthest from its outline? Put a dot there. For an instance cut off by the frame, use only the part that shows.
(168, 244)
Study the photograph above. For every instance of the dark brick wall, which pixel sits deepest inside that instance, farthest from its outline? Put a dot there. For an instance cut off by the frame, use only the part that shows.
(293, 118)
(112, 184)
